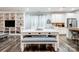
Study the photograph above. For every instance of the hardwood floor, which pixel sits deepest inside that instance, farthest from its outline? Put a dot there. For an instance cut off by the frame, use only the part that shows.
(12, 44)
(39, 47)
(67, 45)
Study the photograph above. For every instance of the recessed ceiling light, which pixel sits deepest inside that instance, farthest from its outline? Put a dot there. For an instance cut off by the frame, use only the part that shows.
(49, 9)
(73, 8)
(27, 9)
(61, 9)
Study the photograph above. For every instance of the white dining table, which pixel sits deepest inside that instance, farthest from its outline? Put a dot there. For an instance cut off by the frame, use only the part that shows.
(41, 40)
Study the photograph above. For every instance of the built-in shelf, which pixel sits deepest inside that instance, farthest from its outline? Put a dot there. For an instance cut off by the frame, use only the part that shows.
(17, 17)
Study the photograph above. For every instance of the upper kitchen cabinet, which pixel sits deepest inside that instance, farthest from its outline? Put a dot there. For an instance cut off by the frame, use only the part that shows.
(57, 18)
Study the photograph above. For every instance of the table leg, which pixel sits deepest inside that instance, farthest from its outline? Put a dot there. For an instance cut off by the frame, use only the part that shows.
(56, 47)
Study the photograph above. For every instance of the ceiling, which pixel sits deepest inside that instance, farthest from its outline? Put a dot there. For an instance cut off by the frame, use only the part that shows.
(41, 9)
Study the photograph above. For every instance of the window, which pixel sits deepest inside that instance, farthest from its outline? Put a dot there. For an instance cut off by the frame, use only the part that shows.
(33, 21)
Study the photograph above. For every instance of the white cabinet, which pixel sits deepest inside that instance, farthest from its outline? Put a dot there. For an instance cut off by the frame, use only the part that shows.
(58, 18)
(61, 30)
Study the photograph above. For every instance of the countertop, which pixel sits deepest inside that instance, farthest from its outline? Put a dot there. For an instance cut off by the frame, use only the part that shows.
(43, 30)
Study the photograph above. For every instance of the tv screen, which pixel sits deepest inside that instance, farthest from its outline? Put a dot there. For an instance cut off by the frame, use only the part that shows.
(9, 23)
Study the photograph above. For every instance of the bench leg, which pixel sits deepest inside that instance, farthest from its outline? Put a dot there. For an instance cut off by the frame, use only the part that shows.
(22, 47)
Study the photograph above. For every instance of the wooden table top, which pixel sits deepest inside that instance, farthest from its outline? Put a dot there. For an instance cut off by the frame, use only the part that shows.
(74, 29)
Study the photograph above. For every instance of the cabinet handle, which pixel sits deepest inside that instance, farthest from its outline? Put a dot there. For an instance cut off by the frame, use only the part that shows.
(49, 33)
(29, 33)
(39, 33)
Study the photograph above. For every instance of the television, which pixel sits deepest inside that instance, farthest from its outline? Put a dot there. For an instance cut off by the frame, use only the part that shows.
(9, 23)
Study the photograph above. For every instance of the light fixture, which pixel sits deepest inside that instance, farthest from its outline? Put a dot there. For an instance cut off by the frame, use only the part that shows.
(48, 21)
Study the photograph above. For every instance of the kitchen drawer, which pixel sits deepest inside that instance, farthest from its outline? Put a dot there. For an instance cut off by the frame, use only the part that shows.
(40, 33)
(30, 33)
(54, 33)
